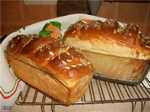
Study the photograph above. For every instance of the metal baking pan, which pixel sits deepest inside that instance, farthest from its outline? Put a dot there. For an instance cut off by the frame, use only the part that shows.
(127, 82)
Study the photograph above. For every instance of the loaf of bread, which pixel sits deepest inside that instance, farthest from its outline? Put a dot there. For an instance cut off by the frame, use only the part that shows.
(53, 68)
(110, 38)
(115, 51)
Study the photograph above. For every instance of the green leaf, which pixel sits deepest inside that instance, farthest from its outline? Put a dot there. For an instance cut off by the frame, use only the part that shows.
(56, 23)
(44, 33)
(45, 26)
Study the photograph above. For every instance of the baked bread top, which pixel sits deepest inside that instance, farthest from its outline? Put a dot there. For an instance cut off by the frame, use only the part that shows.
(63, 63)
(109, 37)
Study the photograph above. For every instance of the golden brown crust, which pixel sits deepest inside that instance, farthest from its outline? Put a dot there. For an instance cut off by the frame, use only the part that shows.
(46, 59)
(44, 82)
(69, 67)
(63, 62)
(133, 43)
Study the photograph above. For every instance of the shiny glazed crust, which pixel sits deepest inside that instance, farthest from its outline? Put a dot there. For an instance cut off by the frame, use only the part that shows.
(109, 38)
(49, 66)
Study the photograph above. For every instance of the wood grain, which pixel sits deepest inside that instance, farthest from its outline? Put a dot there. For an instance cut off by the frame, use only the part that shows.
(16, 14)
(128, 12)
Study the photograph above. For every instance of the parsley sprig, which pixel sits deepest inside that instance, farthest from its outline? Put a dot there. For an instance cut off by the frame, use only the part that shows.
(46, 32)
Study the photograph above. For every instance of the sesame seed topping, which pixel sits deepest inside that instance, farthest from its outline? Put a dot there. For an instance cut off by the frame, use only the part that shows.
(51, 53)
(88, 63)
(84, 62)
(67, 48)
(41, 49)
(147, 43)
(47, 59)
(68, 53)
(84, 21)
(74, 31)
(64, 62)
(80, 64)
(147, 46)
(67, 67)
(73, 66)
(68, 60)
